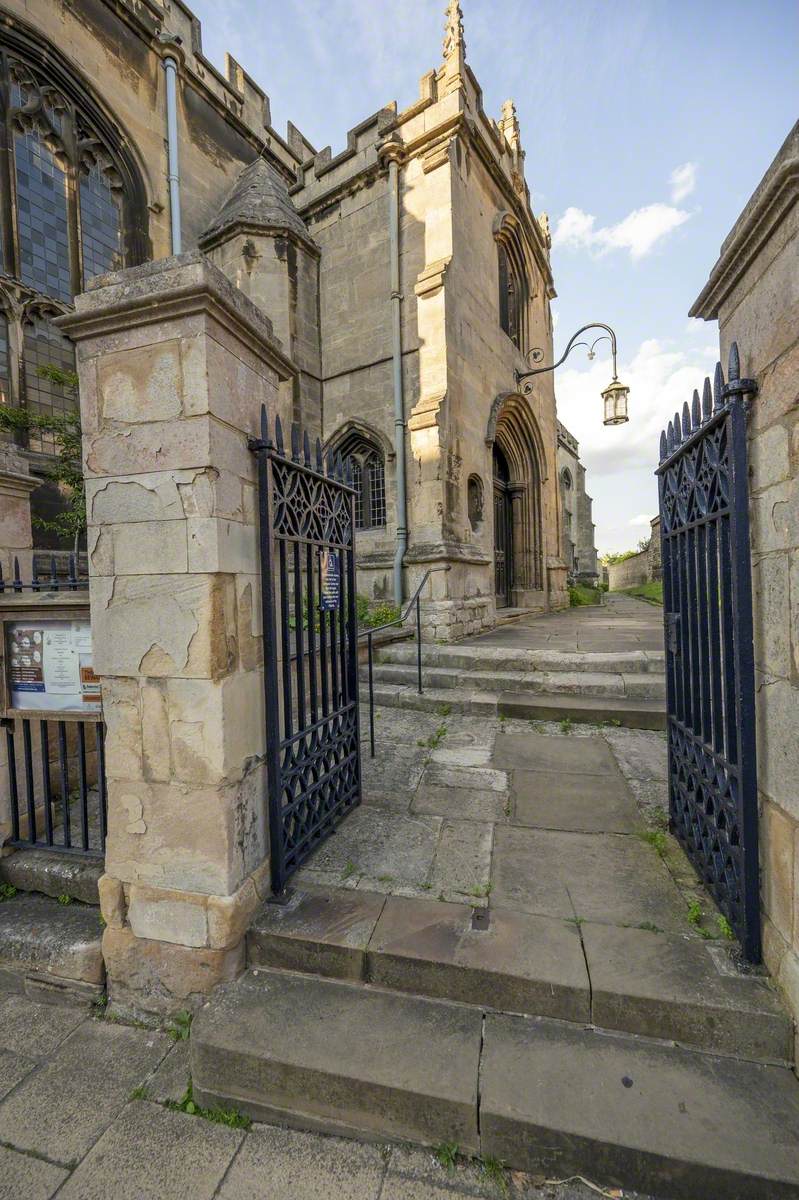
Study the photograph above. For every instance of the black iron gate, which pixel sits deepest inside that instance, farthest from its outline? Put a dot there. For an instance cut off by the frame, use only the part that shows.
(707, 595)
(307, 546)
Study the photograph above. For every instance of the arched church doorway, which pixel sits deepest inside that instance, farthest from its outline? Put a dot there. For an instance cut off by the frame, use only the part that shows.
(503, 530)
(518, 466)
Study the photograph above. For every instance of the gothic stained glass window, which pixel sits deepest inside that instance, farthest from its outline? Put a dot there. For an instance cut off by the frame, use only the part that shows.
(368, 478)
(42, 217)
(100, 222)
(45, 346)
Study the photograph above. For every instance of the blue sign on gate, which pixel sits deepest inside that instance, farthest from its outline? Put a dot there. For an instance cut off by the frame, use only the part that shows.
(331, 580)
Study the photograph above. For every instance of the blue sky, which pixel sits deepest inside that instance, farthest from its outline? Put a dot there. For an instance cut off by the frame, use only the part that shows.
(647, 125)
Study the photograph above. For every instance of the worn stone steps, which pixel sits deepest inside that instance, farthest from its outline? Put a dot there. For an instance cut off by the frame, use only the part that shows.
(629, 711)
(51, 950)
(546, 1096)
(630, 980)
(474, 657)
(645, 686)
(53, 874)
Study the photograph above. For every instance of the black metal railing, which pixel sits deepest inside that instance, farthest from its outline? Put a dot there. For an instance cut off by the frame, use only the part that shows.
(413, 604)
(56, 783)
(70, 582)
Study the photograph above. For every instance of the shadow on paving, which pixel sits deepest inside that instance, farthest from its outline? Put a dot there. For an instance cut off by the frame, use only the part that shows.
(558, 840)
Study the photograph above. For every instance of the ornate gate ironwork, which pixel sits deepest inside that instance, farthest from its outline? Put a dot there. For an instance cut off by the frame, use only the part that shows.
(707, 597)
(307, 541)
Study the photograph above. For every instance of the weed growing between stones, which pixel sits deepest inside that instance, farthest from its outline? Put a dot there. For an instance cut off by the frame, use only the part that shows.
(64, 898)
(180, 1028)
(447, 1155)
(725, 929)
(436, 738)
(566, 725)
(349, 870)
(656, 838)
(495, 1170)
(219, 1116)
(7, 891)
(139, 1093)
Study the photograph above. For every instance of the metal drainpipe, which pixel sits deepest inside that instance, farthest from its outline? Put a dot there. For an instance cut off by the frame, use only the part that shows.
(399, 399)
(173, 169)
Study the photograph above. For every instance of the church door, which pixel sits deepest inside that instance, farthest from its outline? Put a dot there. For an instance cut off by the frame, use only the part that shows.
(503, 531)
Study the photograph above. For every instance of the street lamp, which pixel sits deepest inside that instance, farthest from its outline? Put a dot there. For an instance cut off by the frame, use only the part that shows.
(614, 397)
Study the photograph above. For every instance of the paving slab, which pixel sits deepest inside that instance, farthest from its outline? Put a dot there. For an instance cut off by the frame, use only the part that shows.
(26, 1178)
(13, 1068)
(323, 932)
(446, 775)
(670, 987)
(152, 1153)
(541, 752)
(461, 804)
(328, 1054)
(376, 842)
(462, 866)
(61, 1109)
(170, 1080)
(274, 1164)
(36, 1028)
(591, 876)
(629, 1112)
(518, 963)
(390, 778)
(581, 803)
(641, 754)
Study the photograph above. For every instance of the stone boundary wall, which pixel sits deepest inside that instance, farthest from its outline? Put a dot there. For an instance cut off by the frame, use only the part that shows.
(641, 568)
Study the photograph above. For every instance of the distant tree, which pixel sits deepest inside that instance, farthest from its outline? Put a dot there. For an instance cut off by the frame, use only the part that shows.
(616, 556)
(67, 467)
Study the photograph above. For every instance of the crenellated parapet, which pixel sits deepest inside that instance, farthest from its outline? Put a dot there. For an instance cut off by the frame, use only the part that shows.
(177, 31)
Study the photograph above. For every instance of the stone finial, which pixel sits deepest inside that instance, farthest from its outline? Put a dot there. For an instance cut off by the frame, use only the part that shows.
(509, 124)
(453, 31)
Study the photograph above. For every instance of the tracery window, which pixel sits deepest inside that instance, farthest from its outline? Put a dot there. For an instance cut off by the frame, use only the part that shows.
(70, 208)
(514, 287)
(369, 480)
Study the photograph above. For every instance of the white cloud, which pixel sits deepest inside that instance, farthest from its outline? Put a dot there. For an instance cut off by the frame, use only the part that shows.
(660, 379)
(639, 232)
(641, 519)
(682, 181)
(621, 459)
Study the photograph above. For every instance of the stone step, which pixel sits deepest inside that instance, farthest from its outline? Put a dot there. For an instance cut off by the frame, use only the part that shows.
(628, 711)
(49, 950)
(630, 980)
(545, 1096)
(498, 658)
(53, 874)
(297, 1049)
(552, 683)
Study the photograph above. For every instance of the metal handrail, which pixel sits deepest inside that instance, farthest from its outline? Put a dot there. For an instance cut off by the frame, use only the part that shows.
(369, 634)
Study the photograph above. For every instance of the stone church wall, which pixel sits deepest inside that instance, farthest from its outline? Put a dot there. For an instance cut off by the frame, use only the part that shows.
(753, 292)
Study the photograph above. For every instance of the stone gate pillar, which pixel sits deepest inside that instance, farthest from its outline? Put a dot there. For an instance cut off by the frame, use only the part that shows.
(174, 364)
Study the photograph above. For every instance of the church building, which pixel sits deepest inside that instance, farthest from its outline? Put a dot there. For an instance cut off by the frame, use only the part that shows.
(406, 277)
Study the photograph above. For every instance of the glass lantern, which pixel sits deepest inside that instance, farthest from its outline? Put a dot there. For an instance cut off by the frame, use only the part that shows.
(615, 398)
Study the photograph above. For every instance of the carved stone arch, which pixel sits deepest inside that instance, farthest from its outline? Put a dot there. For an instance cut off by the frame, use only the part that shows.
(367, 451)
(62, 75)
(512, 427)
(509, 231)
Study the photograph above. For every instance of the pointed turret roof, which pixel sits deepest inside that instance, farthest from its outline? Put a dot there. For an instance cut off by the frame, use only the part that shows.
(259, 199)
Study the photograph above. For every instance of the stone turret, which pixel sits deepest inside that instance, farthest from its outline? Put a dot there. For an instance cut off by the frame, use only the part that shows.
(262, 244)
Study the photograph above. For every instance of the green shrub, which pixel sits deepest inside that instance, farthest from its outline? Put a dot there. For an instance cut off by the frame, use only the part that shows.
(580, 595)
